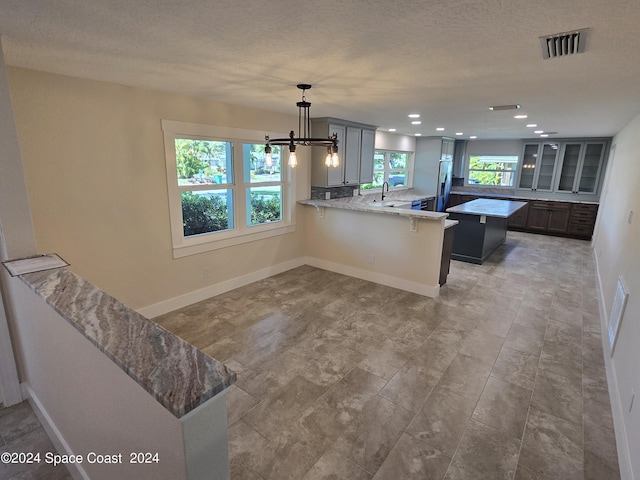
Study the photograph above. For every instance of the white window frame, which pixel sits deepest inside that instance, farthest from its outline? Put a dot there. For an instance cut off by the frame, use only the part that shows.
(241, 231)
(387, 170)
(514, 172)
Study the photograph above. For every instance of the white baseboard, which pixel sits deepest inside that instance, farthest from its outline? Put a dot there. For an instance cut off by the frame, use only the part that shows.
(624, 457)
(61, 446)
(190, 298)
(381, 278)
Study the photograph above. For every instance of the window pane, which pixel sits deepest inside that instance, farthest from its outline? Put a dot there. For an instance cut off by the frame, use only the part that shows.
(256, 169)
(399, 160)
(397, 179)
(378, 161)
(203, 162)
(206, 211)
(378, 178)
(264, 205)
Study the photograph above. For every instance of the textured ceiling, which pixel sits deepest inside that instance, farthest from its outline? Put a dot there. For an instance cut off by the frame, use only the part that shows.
(371, 61)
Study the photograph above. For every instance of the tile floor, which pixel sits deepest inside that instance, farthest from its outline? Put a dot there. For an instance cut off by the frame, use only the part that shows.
(21, 432)
(501, 377)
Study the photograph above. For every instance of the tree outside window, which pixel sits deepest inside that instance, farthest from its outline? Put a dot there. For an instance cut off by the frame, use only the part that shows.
(496, 170)
(205, 177)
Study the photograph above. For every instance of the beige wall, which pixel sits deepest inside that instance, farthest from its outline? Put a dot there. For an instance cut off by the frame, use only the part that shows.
(95, 170)
(617, 250)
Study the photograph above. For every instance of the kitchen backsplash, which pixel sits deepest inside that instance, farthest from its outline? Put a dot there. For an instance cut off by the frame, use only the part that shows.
(319, 193)
(484, 189)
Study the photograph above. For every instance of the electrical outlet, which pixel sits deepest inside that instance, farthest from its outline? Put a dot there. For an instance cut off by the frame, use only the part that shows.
(327, 195)
(630, 217)
(206, 272)
(371, 259)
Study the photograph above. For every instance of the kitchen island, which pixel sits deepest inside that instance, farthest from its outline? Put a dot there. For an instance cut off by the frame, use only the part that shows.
(482, 227)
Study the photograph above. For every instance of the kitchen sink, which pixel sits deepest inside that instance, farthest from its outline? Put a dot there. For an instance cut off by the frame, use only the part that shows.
(381, 204)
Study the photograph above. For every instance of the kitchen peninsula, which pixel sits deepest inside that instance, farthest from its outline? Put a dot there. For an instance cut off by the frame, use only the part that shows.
(383, 242)
(482, 227)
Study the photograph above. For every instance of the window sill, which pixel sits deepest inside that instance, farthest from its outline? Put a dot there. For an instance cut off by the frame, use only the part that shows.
(208, 244)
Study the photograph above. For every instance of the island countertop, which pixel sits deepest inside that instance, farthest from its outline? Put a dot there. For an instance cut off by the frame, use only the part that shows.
(488, 207)
(178, 375)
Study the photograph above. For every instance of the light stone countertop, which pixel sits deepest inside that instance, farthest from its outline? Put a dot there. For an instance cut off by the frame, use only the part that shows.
(488, 207)
(395, 203)
(178, 375)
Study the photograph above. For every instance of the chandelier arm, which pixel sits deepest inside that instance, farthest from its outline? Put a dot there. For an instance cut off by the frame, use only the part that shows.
(320, 142)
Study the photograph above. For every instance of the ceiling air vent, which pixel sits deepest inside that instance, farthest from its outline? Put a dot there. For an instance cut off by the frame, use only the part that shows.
(563, 44)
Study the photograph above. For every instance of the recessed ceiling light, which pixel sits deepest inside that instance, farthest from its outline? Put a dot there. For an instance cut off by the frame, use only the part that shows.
(539, 131)
(440, 129)
(414, 115)
(544, 134)
(418, 134)
(496, 108)
(520, 116)
(473, 137)
(459, 133)
(392, 129)
(416, 122)
(532, 125)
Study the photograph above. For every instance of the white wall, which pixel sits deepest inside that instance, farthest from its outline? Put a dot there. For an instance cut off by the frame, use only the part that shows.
(89, 404)
(393, 141)
(617, 251)
(493, 147)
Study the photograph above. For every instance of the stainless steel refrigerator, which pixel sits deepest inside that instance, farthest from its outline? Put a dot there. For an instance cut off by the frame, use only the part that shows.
(445, 170)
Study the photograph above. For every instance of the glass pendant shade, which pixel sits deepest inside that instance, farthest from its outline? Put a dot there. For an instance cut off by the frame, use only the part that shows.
(293, 159)
(328, 159)
(268, 159)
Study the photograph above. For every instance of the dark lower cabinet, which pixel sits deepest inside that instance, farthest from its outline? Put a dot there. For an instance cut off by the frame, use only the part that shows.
(568, 219)
(548, 217)
(582, 220)
(518, 220)
(447, 247)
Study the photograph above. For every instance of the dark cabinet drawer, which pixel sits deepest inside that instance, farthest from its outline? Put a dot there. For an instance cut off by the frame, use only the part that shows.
(583, 231)
(582, 220)
(544, 205)
(584, 208)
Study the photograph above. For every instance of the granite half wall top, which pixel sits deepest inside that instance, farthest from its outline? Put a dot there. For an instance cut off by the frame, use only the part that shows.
(178, 375)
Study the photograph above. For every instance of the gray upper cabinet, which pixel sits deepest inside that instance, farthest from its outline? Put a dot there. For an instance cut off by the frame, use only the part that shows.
(581, 166)
(355, 148)
(366, 156)
(538, 168)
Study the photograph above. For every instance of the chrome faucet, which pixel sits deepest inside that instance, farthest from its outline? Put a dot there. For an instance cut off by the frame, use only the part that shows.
(387, 184)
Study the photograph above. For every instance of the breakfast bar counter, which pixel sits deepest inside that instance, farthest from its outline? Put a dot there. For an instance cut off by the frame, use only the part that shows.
(482, 227)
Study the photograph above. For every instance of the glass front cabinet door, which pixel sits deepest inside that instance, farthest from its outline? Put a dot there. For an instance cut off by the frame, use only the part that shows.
(581, 167)
(538, 166)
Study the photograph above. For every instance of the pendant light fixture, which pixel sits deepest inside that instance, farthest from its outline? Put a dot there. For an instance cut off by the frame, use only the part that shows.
(304, 130)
